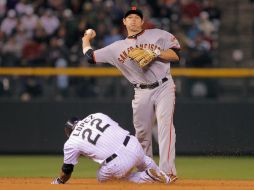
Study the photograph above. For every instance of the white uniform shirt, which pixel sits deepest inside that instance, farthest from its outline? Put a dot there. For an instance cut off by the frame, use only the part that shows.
(96, 137)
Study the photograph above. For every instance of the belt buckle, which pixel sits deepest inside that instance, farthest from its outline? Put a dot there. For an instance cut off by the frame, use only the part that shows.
(110, 158)
(137, 85)
(160, 82)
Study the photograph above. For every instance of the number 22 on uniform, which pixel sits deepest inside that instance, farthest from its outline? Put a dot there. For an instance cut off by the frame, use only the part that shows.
(87, 122)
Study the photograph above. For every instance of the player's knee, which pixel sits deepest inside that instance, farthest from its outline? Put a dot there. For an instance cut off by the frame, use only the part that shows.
(142, 135)
(101, 178)
(67, 168)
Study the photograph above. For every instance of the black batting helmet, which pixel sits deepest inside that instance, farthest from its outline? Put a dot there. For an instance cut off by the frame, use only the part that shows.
(69, 125)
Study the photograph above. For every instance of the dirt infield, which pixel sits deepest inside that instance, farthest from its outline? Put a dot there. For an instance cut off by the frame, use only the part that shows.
(92, 184)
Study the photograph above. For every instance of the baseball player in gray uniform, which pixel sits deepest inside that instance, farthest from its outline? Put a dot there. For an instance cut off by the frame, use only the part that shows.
(144, 59)
(101, 139)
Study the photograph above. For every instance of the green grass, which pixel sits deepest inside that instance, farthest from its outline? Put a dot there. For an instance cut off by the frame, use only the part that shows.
(42, 166)
(241, 168)
(191, 167)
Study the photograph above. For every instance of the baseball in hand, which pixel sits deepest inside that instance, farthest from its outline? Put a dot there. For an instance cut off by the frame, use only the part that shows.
(90, 32)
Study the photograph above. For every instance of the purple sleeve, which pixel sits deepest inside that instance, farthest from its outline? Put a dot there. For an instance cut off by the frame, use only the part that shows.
(71, 154)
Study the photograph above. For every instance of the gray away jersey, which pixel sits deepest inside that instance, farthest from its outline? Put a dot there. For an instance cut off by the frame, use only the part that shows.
(116, 54)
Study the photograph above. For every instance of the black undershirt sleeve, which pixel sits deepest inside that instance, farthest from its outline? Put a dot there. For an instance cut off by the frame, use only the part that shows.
(177, 51)
(89, 56)
(67, 168)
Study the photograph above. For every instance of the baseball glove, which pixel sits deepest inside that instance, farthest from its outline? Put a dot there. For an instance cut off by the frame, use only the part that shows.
(142, 56)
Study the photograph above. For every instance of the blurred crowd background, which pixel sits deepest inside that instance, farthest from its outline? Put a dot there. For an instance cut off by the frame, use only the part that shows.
(47, 33)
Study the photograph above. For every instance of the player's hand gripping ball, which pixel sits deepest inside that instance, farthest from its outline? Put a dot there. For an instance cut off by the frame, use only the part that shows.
(91, 33)
(142, 56)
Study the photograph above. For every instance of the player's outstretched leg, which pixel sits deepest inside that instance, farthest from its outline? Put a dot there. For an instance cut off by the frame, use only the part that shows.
(159, 176)
(147, 163)
(149, 176)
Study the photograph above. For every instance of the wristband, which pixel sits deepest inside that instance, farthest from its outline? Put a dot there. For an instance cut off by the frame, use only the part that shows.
(86, 49)
(157, 52)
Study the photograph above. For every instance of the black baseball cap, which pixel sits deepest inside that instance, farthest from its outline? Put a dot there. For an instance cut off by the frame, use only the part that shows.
(134, 10)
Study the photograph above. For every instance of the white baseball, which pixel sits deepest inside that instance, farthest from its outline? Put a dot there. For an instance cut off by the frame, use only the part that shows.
(91, 33)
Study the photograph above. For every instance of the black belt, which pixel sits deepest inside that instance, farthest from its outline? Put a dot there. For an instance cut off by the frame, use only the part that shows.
(109, 159)
(151, 86)
(113, 156)
(126, 140)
